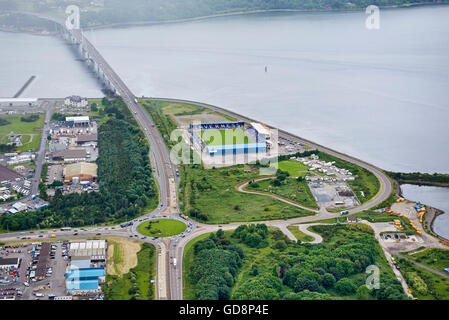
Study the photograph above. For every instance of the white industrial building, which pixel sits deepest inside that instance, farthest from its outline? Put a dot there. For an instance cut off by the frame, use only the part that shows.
(263, 131)
(77, 121)
(95, 249)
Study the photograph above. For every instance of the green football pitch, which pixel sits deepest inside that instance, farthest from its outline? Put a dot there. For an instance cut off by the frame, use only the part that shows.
(224, 137)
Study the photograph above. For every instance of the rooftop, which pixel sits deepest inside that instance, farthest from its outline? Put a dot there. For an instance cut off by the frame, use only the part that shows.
(8, 261)
(70, 153)
(76, 119)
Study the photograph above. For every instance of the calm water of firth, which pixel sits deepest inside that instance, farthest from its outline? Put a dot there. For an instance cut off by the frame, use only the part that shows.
(380, 95)
(436, 197)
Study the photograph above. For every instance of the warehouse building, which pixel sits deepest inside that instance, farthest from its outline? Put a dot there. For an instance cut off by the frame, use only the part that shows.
(84, 280)
(80, 172)
(87, 139)
(7, 174)
(82, 121)
(9, 263)
(70, 155)
(95, 249)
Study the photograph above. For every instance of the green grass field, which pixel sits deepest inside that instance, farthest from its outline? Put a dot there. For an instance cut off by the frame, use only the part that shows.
(301, 236)
(224, 137)
(437, 259)
(297, 191)
(210, 194)
(136, 284)
(24, 128)
(293, 168)
(161, 228)
(183, 109)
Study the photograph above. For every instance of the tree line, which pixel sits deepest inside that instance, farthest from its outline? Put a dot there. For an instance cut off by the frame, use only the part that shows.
(420, 178)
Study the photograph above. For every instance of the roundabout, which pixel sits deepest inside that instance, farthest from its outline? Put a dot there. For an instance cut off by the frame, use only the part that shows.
(161, 228)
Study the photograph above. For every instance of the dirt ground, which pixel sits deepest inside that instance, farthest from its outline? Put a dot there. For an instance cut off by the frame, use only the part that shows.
(127, 258)
(206, 116)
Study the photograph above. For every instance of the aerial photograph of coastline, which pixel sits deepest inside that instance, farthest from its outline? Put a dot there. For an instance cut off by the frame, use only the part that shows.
(228, 156)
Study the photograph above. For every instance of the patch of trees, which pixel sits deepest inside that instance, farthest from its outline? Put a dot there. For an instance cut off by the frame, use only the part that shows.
(4, 148)
(196, 213)
(30, 118)
(124, 175)
(418, 177)
(317, 272)
(254, 236)
(280, 178)
(4, 122)
(61, 117)
(320, 268)
(215, 267)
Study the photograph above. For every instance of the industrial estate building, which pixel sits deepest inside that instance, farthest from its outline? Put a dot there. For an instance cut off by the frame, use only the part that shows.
(83, 121)
(9, 263)
(70, 155)
(86, 272)
(80, 172)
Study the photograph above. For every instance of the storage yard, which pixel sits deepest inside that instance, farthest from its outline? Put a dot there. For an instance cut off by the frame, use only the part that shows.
(53, 271)
(326, 181)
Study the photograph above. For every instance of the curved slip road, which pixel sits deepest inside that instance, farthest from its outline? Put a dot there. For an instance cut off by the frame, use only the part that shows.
(241, 188)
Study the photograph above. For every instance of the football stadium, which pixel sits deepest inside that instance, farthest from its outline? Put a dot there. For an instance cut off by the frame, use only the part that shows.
(227, 138)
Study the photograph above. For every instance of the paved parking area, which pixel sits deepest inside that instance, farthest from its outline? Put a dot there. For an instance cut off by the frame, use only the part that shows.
(332, 194)
(12, 286)
(22, 287)
(54, 173)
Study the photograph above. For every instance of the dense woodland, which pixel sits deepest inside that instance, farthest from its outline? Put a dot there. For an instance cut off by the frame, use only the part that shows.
(124, 175)
(270, 266)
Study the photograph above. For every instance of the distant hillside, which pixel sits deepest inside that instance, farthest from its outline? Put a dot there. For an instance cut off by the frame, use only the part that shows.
(104, 12)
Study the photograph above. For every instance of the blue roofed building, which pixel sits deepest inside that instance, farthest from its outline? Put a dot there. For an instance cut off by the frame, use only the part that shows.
(236, 148)
(84, 280)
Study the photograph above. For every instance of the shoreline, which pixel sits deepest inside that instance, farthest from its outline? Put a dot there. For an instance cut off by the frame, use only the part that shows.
(228, 14)
(430, 219)
(431, 215)
(252, 12)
